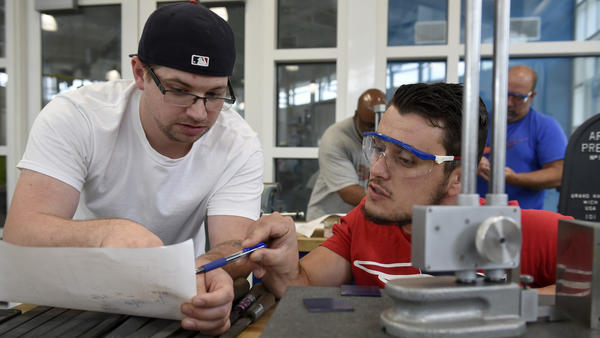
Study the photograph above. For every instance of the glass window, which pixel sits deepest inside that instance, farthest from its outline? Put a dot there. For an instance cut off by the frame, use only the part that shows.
(235, 16)
(306, 95)
(79, 48)
(586, 90)
(417, 22)
(296, 178)
(234, 13)
(306, 24)
(2, 30)
(587, 20)
(405, 72)
(3, 83)
(530, 20)
(3, 193)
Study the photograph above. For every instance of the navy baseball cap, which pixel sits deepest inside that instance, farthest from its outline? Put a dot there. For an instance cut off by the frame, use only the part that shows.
(189, 37)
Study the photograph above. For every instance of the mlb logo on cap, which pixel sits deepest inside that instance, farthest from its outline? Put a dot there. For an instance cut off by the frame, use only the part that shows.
(201, 61)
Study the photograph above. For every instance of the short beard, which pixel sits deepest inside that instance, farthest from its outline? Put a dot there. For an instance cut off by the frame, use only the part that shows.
(511, 115)
(171, 136)
(402, 220)
(406, 219)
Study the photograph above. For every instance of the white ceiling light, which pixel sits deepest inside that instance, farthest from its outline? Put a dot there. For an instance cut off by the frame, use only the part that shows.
(113, 75)
(221, 11)
(49, 23)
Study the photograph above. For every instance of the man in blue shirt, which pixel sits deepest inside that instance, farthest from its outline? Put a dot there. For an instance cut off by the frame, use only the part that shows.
(535, 145)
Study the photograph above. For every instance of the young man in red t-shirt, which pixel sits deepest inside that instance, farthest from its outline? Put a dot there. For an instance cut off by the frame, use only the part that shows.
(412, 158)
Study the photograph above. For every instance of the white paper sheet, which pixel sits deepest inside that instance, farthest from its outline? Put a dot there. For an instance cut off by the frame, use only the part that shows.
(308, 228)
(151, 282)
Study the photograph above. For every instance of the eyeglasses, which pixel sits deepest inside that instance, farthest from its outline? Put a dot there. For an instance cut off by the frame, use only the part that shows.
(399, 156)
(181, 98)
(520, 98)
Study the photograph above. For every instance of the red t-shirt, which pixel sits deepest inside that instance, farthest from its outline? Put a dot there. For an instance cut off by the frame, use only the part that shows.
(379, 253)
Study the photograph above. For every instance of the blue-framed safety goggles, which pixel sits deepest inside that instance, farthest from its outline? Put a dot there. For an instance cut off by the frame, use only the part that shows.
(400, 157)
(439, 159)
(524, 97)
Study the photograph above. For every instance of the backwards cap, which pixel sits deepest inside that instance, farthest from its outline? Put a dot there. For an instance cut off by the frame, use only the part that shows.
(189, 37)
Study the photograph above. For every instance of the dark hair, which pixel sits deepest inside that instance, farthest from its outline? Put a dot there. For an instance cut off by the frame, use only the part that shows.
(441, 104)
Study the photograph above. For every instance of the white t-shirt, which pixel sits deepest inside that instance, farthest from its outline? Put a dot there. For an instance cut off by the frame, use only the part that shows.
(92, 139)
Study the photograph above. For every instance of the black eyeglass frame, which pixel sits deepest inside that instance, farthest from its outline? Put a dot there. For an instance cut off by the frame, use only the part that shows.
(163, 90)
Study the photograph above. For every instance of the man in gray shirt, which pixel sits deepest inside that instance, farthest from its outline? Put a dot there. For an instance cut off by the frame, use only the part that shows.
(343, 171)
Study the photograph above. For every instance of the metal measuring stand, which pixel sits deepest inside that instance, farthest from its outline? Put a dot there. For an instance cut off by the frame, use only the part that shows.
(468, 237)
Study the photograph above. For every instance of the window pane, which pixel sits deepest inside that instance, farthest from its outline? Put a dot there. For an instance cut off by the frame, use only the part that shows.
(587, 20)
(417, 22)
(306, 24)
(233, 13)
(530, 20)
(3, 197)
(79, 48)
(296, 180)
(3, 192)
(400, 73)
(3, 83)
(235, 18)
(305, 103)
(586, 90)
(2, 30)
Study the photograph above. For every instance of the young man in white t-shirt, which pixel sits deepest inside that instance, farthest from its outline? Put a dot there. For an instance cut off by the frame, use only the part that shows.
(150, 162)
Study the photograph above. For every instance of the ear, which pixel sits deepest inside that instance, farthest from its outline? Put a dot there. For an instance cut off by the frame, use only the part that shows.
(454, 184)
(138, 72)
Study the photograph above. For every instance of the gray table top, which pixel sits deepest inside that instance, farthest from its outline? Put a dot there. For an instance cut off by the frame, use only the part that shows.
(292, 319)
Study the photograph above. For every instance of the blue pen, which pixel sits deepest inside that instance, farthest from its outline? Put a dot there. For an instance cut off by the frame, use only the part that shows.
(222, 261)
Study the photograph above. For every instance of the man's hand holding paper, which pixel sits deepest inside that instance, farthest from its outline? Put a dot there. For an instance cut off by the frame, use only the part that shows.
(208, 311)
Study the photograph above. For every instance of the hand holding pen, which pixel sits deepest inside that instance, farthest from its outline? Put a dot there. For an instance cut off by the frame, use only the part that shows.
(225, 260)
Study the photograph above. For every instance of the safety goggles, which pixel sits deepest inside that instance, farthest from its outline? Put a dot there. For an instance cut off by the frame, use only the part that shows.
(520, 98)
(400, 157)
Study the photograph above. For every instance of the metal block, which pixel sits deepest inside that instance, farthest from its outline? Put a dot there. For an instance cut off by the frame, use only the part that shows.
(444, 237)
(529, 305)
(578, 271)
(440, 307)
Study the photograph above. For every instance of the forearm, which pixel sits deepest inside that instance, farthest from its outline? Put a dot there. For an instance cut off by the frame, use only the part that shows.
(238, 268)
(352, 194)
(41, 213)
(305, 273)
(539, 179)
(278, 282)
(38, 229)
(225, 234)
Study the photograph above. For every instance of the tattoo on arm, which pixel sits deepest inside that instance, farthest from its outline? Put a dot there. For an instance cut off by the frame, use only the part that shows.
(223, 249)
(234, 243)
